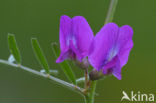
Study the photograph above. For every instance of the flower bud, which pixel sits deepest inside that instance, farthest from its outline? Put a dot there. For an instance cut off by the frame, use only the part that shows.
(95, 75)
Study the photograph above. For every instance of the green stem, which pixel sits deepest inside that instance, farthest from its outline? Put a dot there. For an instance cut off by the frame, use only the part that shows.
(89, 98)
(92, 92)
(111, 11)
(86, 97)
(54, 79)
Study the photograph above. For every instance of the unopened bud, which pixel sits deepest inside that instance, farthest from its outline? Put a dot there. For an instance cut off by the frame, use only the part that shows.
(95, 75)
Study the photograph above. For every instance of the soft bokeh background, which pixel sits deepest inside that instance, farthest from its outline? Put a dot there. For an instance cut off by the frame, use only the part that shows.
(40, 19)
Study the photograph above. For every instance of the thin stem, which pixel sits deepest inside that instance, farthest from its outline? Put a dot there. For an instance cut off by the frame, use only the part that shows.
(92, 91)
(111, 11)
(89, 98)
(54, 79)
(86, 97)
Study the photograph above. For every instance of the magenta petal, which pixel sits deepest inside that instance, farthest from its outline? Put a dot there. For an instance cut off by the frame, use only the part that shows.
(113, 67)
(62, 57)
(110, 49)
(75, 38)
(103, 46)
(125, 43)
(110, 65)
(117, 69)
(75, 51)
(65, 31)
(83, 35)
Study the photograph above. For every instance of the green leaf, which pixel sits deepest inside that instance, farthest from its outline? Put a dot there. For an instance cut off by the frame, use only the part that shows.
(39, 54)
(64, 65)
(14, 48)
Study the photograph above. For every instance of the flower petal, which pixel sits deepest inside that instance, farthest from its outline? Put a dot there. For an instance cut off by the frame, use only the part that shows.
(113, 67)
(125, 43)
(63, 56)
(83, 35)
(103, 46)
(65, 31)
(117, 69)
(75, 38)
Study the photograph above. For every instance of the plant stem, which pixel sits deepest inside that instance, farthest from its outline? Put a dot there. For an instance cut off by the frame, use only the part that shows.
(111, 11)
(86, 99)
(54, 79)
(92, 91)
(89, 98)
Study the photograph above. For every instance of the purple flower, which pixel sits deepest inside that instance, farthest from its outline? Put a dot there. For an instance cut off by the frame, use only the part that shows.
(75, 38)
(110, 49)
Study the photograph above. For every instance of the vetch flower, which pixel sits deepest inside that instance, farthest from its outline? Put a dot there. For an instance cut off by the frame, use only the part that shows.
(75, 38)
(110, 49)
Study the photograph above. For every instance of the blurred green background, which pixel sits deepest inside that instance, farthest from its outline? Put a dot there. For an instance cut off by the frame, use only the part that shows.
(40, 18)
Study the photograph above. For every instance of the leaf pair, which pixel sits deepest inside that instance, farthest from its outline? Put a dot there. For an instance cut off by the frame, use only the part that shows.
(16, 53)
(41, 58)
